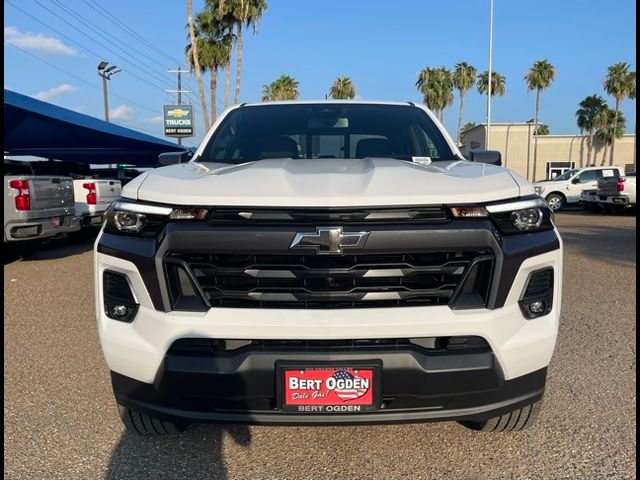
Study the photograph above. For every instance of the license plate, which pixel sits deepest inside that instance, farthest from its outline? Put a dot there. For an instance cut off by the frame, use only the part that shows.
(56, 222)
(329, 389)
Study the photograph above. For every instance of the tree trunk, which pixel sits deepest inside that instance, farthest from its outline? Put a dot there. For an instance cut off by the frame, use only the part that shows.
(236, 97)
(213, 86)
(196, 63)
(590, 147)
(615, 128)
(604, 155)
(460, 115)
(535, 137)
(227, 83)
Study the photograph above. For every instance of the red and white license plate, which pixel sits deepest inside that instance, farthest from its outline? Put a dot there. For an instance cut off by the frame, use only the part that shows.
(319, 389)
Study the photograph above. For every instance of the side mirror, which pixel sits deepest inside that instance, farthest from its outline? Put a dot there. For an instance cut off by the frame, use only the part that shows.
(575, 180)
(492, 157)
(171, 158)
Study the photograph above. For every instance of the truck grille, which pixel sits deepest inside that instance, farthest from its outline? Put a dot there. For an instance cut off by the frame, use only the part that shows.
(348, 281)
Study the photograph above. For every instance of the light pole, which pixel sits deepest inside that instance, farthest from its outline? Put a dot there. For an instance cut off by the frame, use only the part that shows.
(486, 140)
(106, 71)
(529, 122)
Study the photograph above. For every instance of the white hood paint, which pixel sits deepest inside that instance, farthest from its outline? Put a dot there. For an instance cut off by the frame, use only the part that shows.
(328, 183)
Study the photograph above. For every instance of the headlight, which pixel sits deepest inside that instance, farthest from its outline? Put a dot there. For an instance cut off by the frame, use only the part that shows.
(521, 216)
(147, 220)
(538, 190)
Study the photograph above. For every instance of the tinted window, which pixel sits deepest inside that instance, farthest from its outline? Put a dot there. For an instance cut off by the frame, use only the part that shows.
(589, 176)
(317, 131)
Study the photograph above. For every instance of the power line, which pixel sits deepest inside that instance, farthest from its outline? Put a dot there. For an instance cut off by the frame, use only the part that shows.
(117, 54)
(113, 19)
(83, 47)
(133, 102)
(111, 38)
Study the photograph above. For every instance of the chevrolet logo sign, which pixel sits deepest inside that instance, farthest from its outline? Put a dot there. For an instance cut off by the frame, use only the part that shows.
(177, 112)
(329, 240)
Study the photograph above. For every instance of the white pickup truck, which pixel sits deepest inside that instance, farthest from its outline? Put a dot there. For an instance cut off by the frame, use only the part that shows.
(617, 193)
(92, 195)
(36, 206)
(328, 263)
(566, 189)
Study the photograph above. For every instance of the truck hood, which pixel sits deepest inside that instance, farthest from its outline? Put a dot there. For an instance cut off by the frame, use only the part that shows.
(327, 183)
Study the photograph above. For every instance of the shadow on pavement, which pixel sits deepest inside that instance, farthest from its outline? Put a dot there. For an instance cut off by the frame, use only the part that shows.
(193, 454)
(74, 244)
(613, 245)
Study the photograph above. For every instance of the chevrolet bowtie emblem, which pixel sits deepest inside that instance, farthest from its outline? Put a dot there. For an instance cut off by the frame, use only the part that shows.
(329, 240)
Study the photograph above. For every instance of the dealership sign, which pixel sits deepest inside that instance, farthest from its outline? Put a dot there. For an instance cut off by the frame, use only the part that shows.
(178, 120)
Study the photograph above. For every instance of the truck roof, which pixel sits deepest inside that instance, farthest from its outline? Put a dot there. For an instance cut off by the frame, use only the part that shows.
(315, 102)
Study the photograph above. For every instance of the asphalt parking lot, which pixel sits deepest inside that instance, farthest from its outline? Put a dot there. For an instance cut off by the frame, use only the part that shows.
(61, 420)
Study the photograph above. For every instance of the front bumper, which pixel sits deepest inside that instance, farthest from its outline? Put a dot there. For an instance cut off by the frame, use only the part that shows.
(187, 391)
(242, 389)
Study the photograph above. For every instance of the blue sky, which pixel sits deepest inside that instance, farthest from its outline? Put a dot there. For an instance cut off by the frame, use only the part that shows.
(381, 45)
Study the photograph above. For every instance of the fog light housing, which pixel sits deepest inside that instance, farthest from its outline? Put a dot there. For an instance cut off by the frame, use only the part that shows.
(119, 303)
(537, 298)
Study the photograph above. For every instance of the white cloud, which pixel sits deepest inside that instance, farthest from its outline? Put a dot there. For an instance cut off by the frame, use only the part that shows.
(155, 120)
(37, 42)
(54, 92)
(121, 112)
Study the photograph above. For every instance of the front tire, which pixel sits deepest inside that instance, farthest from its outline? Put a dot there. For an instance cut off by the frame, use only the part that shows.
(556, 202)
(142, 424)
(509, 422)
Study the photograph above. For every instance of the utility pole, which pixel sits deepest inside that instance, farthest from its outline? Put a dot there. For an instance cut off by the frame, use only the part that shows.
(106, 71)
(486, 141)
(179, 91)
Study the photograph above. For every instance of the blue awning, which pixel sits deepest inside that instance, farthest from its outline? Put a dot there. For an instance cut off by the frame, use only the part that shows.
(33, 127)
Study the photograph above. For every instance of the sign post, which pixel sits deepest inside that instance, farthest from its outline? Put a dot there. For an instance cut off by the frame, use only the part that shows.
(178, 121)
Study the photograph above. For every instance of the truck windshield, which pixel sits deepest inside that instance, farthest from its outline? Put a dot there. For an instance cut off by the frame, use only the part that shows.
(566, 175)
(323, 131)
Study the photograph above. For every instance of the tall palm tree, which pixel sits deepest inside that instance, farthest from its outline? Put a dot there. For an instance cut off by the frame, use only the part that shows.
(620, 83)
(464, 77)
(498, 83)
(343, 89)
(284, 88)
(214, 42)
(196, 62)
(245, 13)
(588, 116)
(539, 77)
(611, 125)
(436, 86)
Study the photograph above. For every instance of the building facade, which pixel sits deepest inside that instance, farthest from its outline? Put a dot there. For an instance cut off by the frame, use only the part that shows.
(556, 153)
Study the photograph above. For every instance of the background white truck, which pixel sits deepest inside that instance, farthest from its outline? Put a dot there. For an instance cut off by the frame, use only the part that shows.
(566, 189)
(36, 206)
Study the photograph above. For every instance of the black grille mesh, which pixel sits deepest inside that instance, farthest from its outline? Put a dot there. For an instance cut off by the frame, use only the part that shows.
(313, 281)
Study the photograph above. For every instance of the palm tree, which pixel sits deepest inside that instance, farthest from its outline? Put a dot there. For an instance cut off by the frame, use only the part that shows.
(214, 42)
(542, 129)
(588, 117)
(464, 76)
(284, 88)
(245, 13)
(436, 86)
(611, 125)
(196, 63)
(539, 77)
(343, 89)
(498, 83)
(619, 83)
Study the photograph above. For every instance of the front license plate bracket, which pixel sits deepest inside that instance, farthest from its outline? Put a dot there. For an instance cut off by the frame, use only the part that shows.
(311, 387)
